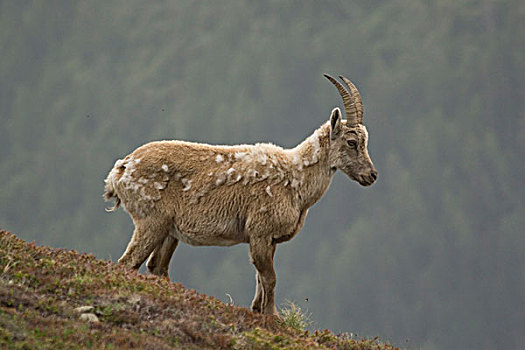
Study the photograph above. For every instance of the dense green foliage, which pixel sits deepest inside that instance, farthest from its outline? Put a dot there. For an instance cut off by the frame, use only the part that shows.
(432, 254)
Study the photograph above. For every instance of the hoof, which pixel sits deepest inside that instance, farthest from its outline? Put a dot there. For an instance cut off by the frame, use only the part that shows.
(256, 309)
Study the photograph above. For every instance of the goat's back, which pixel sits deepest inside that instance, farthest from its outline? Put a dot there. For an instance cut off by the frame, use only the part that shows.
(178, 176)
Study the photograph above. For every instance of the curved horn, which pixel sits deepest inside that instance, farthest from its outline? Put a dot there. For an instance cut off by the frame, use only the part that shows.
(350, 107)
(356, 97)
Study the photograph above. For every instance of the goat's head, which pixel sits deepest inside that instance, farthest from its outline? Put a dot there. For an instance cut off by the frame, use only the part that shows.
(349, 138)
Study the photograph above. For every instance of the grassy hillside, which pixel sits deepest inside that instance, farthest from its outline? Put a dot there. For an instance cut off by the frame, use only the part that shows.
(59, 299)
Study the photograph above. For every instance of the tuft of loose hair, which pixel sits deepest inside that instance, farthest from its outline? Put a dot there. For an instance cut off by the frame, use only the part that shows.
(108, 195)
(115, 207)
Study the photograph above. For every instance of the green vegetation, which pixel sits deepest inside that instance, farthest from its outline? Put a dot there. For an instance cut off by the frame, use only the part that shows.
(293, 316)
(46, 293)
(432, 254)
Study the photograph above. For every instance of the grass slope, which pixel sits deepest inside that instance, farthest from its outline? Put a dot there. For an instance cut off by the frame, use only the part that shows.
(41, 287)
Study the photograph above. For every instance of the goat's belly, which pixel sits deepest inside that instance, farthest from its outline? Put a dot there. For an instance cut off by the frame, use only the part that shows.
(208, 237)
(204, 239)
(224, 232)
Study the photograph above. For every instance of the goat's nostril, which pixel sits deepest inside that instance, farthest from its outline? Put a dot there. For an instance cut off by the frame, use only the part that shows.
(373, 174)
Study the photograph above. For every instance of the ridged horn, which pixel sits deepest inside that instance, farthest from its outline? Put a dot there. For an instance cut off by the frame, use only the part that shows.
(350, 107)
(356, 98)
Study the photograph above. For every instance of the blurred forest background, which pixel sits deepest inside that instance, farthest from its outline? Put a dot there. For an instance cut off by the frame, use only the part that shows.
(432, 256)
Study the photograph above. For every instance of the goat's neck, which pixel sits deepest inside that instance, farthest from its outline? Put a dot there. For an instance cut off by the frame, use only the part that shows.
(310, 167)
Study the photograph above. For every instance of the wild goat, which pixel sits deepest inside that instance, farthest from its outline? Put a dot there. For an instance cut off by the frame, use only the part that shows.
(224, 195)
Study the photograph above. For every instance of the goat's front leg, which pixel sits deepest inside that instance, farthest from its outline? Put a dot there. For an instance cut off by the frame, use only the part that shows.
(261, 253)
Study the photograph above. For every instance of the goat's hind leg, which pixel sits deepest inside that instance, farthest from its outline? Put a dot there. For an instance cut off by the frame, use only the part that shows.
(148, 234)
(159, 261)
(258, 298)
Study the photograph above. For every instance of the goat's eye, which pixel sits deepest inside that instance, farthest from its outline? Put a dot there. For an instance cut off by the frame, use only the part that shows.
(352, 143)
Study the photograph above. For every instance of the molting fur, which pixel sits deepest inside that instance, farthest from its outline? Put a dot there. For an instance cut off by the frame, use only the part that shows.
(224, 195)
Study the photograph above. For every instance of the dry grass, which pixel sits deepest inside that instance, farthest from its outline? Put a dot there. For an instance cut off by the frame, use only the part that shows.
(293, 316)
(40, 288)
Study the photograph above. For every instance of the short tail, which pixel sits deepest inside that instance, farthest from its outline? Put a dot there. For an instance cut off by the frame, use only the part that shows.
(110, 192)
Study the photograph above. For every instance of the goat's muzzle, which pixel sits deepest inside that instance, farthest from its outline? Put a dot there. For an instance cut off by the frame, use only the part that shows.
(367, 179)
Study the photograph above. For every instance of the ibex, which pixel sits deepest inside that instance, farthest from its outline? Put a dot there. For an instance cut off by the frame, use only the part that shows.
(224, 195)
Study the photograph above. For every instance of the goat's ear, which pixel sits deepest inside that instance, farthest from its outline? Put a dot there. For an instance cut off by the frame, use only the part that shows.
(335, 123)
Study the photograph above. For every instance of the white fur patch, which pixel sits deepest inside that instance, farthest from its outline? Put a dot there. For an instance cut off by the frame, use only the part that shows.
(141, 192)
(186, 183)
(126, 179)
(118, 163)
(316, 147)
(219, 158)
(366, 135)
(159, 185)
(240, 155)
